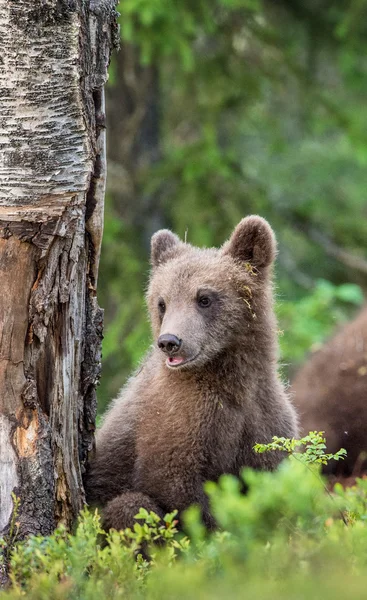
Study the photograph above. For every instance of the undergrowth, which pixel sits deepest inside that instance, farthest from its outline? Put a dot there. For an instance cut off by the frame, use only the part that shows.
(288, 537)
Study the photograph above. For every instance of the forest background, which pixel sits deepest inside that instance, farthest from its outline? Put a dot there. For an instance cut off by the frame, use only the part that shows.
(217, 109)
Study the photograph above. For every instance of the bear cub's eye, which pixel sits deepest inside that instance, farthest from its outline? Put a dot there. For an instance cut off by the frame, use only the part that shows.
(204, 301)
(161, 306)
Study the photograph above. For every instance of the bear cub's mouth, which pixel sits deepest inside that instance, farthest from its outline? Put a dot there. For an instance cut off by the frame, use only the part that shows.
(173, 361)
(179, 361)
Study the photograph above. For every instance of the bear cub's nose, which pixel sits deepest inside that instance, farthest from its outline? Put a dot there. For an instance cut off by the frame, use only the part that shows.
(170, 344)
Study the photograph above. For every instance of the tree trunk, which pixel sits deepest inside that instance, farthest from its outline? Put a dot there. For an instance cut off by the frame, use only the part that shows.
(54, 56)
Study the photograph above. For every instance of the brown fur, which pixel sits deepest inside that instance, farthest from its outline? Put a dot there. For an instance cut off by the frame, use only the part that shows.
(173, 428)
(330, 392)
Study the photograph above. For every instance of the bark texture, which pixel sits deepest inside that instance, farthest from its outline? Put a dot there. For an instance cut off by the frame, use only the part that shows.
(54, 56)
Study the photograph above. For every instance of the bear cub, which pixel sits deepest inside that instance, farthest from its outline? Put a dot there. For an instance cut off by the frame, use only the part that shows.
(207, 391)
(330, 393)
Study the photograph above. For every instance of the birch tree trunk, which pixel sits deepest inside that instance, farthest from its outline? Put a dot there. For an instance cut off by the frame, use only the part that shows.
(53, 66)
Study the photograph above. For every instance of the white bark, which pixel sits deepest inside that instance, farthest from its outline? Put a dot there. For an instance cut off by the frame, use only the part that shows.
(8, 471)
(54, 56)
(44, 141)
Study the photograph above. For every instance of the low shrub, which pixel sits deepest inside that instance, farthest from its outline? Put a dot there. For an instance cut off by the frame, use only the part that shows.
(287, 537)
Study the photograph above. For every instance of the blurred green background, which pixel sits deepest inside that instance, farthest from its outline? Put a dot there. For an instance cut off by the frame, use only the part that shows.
(217, 109)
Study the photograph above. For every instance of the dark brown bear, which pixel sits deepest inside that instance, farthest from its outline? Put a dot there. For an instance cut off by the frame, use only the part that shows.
(207, 391)
(330, 392)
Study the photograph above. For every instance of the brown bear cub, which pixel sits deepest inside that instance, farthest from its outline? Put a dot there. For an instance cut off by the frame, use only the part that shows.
(330, 391)
(207, 391)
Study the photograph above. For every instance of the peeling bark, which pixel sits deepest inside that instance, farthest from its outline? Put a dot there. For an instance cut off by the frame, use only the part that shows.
(54, 56)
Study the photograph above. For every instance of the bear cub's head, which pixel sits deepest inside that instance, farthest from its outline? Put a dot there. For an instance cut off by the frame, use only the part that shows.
(204, 302)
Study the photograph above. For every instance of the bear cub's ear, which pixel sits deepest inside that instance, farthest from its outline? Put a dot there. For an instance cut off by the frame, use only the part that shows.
(163, 246)
(252, 241)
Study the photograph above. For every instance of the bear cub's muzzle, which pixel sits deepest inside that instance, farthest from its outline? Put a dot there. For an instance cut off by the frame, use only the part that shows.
(169, 344)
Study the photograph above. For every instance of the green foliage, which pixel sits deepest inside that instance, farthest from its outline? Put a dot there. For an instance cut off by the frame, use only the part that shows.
(261, 109)
(307, 322)
(78, 563)
(163, 30)
(286, 537)
(153, 530)
(123, 277)
(314, 452)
